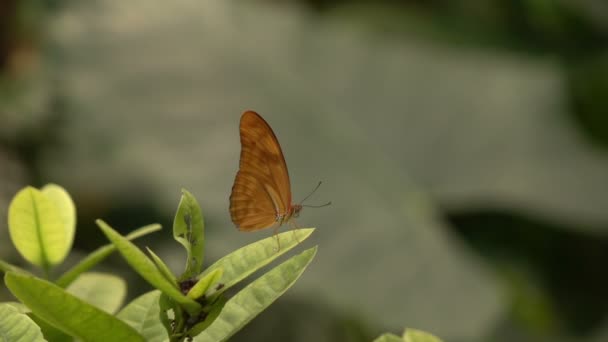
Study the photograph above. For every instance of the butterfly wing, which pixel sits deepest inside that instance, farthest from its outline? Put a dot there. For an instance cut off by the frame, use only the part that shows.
(261, 190)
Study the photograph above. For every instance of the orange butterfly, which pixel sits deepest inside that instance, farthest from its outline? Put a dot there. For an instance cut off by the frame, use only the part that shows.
(261, 194)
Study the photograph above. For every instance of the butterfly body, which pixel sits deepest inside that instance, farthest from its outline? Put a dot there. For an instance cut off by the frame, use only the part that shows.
(294, 211)
(261, 194)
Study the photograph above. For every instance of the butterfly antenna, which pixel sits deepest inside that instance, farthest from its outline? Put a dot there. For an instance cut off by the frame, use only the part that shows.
(312, 192)
(317, 206)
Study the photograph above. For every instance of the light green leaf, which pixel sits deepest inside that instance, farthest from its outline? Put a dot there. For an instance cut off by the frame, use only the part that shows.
(48, 331)
(189, 230)
(67, 312)
(142, 315)
(256, 297)
(105, 291)
(413, 335)
(66, 209)
(99, 255)
(17, 306)
(163, 268)
(146, 268)
(246, 260)
(37, 228)
(388, 338)
(16, 326)
(204, 282)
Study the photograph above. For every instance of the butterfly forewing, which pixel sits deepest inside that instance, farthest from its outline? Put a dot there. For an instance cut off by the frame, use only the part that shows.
(261, 190)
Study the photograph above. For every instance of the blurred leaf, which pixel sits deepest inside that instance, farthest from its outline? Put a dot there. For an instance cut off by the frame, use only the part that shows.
(99, 255)
(66, 311)
(189, 230)
(146, 268)
(531, 306)
(16, 326)
(256, 297)
(142, 314)
(410, 335)
(413, 335)
(65, 207)
(389, 338)
(37, 227)
(105, 291)
(587, 84)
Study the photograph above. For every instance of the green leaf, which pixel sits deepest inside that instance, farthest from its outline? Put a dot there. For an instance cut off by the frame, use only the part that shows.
(246, 260)
(16, 326)
(105, 291)
(146, 268)
(67, 312)
(37, 228)
(413, 335)
(388, 338)
(189, 230)
(167, 306)
(142, 315)
(49, 331)
(204, 282)
(256, 297)
(99, 255)
(163, 268)
(66, 209)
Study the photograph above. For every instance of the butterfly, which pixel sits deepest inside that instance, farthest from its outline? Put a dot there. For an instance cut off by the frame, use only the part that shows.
(261, 194)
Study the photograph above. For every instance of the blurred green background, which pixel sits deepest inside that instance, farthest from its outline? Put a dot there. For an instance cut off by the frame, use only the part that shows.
(463, 145)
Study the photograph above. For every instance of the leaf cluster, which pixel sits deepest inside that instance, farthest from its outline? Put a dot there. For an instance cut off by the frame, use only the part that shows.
(85, 305)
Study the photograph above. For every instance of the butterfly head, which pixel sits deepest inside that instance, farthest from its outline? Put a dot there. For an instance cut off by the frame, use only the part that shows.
(295, 210)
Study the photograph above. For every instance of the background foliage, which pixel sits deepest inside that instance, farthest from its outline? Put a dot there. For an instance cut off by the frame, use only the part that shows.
(463, 144)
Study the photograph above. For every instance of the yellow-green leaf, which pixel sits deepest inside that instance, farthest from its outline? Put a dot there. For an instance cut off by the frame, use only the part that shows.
(37, 227)
(16, 326)
(256, 297)
(203, 284)
(142, 315)
(66, 209)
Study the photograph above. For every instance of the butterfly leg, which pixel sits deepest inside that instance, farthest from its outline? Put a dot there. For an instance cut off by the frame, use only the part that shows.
(294, 227)
(276, 236)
